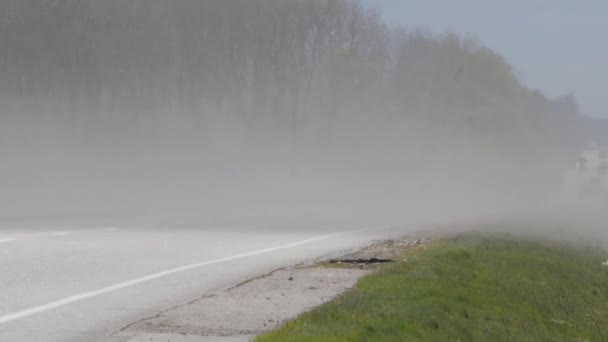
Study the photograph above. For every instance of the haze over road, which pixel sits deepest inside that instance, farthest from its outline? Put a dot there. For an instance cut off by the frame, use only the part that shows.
(83, 284)
(153, 151)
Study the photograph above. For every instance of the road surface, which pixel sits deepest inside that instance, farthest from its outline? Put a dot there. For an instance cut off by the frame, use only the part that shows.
(74, 283)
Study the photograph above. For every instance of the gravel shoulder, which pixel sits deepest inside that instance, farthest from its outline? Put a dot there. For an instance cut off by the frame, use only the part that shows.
(261, 304)
(244, 311)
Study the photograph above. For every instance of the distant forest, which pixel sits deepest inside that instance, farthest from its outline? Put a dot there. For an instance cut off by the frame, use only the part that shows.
(246, 71)
(147, 105)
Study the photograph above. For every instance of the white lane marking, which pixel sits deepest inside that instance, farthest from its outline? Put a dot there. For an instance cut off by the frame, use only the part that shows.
(22, 237)
(129, 283)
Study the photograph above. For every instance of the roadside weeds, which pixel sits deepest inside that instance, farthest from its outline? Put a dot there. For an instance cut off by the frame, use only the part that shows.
(469, 287)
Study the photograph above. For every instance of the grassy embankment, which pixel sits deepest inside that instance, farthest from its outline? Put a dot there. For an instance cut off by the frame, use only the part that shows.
(470, 288)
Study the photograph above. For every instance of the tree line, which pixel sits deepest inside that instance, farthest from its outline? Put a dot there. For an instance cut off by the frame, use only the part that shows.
(326, 71)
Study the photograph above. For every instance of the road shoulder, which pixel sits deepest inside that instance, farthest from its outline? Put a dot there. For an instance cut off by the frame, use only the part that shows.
(248, 309)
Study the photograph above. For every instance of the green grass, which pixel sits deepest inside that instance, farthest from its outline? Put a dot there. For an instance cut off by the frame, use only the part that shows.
(470, 288)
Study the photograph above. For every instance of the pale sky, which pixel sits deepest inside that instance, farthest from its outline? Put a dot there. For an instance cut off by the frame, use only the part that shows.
(557, 46)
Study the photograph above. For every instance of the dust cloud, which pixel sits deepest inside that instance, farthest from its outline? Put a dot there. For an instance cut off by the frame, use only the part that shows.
(266, 112)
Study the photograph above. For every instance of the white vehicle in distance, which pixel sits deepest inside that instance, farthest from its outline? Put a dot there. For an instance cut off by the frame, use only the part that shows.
(588, 180)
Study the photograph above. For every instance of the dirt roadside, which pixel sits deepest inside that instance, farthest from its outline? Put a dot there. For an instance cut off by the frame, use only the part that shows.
(240, 313)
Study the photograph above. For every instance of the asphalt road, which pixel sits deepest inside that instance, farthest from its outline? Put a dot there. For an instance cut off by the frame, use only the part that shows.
(75, 283)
